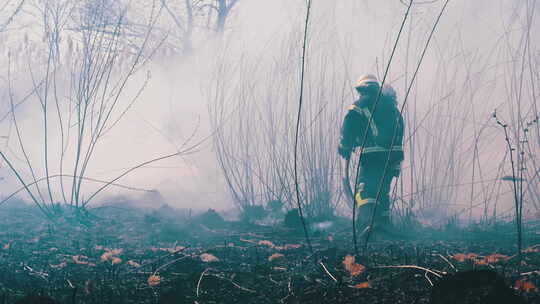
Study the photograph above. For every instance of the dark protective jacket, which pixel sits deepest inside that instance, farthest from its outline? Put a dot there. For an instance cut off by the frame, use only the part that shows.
(384, 133)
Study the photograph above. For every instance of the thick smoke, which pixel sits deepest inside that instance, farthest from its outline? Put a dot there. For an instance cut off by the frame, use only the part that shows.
(465, 76)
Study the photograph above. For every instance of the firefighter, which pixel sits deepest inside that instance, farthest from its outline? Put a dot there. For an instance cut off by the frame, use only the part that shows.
(382, 152)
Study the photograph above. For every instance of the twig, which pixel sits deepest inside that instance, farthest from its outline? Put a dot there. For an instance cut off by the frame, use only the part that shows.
(272, 280)
(289, 286)
(178, 153)
(40, 274)
(12, 16)
(434, 272)
(328, 272)
(160, 258)
(447, 261)
(234, 284)
(200, 280)
(21, 180)
(169, 263)
(297, 186)
(428, 279)
(71, 176)
(533, 247)
(518, 201)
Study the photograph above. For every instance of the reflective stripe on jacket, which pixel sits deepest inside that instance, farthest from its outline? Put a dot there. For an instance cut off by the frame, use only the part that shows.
(385, 127)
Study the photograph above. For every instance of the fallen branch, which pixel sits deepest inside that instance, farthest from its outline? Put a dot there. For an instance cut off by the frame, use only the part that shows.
(161, 258)
(328, 272)
(529, 273)
(170, 263)
(446, 260)
(428, 279)
(234, 284)
(436, 273)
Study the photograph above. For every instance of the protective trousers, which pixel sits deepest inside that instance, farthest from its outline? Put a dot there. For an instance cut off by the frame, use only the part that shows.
(373, 180)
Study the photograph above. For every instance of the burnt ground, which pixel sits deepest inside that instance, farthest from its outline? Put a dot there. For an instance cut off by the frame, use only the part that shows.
(122, 255)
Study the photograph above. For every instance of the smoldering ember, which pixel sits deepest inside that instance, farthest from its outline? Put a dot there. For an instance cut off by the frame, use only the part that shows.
(283, 151)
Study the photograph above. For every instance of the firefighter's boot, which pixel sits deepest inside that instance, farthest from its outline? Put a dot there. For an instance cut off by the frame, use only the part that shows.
(365, 208)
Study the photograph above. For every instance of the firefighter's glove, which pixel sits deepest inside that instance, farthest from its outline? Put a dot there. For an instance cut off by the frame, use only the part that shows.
(344, 152)
(396, 170)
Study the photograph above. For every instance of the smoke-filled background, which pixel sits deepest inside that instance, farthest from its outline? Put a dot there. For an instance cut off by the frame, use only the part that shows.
(96, 88)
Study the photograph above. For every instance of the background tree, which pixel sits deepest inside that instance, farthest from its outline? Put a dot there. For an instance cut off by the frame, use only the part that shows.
(8, 10)
(80, 98)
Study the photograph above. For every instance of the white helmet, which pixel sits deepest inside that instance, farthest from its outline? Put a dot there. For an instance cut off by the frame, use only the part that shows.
(366, 81)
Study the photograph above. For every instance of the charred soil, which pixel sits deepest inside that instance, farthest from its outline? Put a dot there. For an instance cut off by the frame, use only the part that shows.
(123, 255)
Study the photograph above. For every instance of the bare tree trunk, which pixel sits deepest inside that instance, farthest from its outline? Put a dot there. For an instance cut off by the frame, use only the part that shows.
(224, 9)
